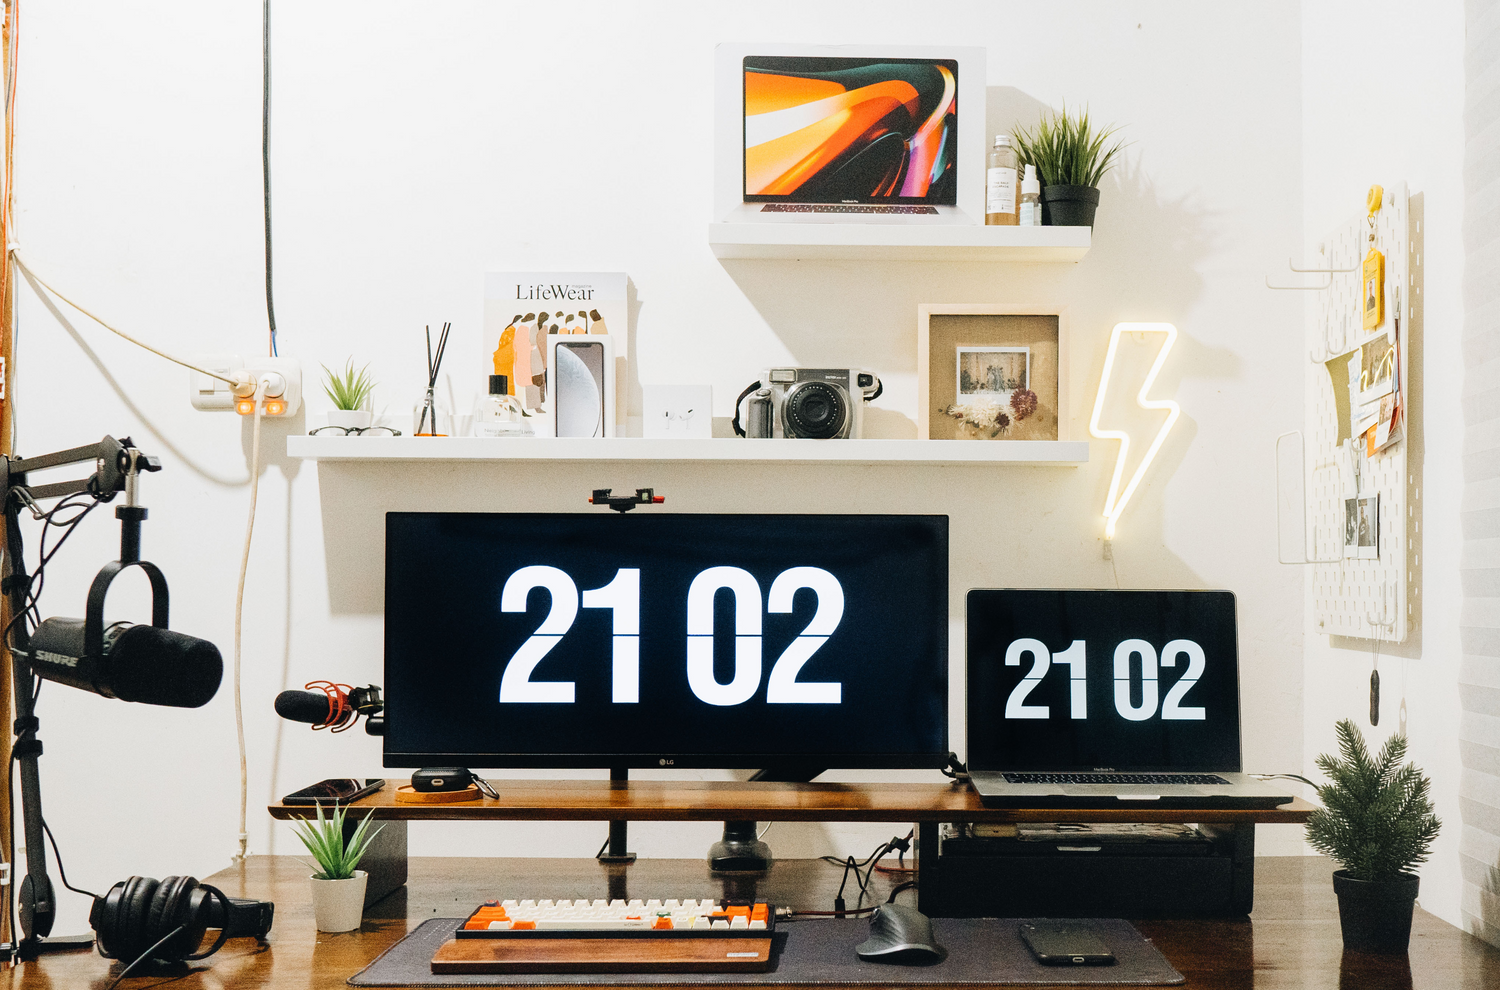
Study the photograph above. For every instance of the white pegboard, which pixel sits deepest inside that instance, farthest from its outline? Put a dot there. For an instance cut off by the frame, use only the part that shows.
(1363, 598)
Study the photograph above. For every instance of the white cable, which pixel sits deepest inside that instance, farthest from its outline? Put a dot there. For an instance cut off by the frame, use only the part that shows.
(239, 612)
(191, 367)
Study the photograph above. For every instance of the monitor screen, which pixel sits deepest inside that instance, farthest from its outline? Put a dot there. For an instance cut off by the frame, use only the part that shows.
(648, 639)
(850, 130)
(1084, 680)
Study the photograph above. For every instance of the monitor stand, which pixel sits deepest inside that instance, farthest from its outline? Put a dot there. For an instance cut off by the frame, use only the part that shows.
(740, 851)
(615, 851)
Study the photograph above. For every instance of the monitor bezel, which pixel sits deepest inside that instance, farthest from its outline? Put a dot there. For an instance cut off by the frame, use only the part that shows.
(789, 762)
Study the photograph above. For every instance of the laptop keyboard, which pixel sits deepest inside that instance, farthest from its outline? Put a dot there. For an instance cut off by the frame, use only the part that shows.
(844, 208)
(1114, 778)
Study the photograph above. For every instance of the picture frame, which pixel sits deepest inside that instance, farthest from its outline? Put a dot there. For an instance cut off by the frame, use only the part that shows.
(974, 358)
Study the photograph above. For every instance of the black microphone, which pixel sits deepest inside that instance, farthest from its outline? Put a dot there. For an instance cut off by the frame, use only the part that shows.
(146, 664)
(334, 706)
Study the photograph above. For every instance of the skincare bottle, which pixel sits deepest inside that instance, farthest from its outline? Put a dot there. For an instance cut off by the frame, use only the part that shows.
(1000, 184)
(1031, 199)
(498, 414)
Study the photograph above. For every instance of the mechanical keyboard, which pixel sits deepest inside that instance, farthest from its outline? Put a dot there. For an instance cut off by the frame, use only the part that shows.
(1113, 778)
(845, 208)
(605, 919)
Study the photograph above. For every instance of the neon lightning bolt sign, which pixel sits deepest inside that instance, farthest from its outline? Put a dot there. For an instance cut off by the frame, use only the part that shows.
(1114, 502)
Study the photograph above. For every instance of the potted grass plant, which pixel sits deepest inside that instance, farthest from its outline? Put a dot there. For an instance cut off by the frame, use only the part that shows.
(1377, 822)
(1070, 156)
(350, 391)
(338, 889)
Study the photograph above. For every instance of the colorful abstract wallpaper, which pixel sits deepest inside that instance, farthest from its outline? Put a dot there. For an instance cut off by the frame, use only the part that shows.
(827, 130)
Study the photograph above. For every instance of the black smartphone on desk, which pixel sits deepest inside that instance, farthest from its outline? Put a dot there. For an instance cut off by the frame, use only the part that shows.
(335, 789)
(1064, 943)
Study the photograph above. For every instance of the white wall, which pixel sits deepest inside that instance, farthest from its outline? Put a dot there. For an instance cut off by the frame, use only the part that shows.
(1403, 122)
(418, 147)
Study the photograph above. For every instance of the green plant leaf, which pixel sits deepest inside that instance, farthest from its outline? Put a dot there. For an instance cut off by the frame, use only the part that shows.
(348, 389)
(324, 839)
(1377, 817)
(1066, 149)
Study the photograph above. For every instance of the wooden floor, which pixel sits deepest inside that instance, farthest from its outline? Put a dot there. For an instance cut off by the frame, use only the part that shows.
(1291, 941)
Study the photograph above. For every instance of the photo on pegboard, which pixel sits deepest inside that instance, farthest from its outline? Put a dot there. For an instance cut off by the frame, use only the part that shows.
(1362, 527)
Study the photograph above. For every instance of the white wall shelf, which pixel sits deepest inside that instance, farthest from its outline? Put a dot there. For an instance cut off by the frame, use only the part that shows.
(1028, 452)
(894, 242)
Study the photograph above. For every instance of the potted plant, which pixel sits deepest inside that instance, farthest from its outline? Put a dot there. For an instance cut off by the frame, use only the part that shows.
(1070, 157)
(1377, 821)
(350, 391)
(338, 889)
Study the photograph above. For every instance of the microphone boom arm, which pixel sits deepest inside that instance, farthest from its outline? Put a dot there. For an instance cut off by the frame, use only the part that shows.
(117, 467)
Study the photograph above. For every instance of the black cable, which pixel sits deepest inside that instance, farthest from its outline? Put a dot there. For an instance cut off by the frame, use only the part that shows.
(265, 159)
(908, 885)
(1283, 776)
(146, 955)
(62, 873)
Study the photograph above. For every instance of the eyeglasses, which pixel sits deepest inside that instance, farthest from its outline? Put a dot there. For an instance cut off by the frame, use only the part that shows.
(354, 431)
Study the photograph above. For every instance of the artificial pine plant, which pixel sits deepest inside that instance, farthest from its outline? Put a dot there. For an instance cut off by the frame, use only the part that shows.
(1376, 817)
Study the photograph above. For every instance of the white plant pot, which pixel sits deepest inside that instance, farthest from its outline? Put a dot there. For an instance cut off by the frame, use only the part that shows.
(338, 905)
(350, 419)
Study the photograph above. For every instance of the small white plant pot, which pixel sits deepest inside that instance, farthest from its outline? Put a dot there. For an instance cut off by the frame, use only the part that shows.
(350, 419)
(338, 905)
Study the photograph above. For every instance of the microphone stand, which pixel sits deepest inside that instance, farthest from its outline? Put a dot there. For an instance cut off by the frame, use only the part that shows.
(118, 466)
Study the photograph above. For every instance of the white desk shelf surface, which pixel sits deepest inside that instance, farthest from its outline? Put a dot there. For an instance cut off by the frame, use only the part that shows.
(1040, 453)
(894, 242)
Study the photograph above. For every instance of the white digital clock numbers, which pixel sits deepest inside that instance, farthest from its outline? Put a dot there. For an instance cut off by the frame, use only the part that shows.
(623, 597)
(1132, 658)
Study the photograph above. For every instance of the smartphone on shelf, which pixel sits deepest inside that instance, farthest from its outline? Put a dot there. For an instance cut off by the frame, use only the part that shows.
(1065, 943)
(335, 789)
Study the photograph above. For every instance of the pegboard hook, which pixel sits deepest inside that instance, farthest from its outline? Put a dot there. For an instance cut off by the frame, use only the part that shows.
(1386, 608)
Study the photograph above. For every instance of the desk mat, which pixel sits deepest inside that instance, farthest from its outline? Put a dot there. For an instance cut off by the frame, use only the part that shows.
(981, 951)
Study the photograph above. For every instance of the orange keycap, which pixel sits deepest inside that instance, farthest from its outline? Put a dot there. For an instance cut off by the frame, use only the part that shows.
(662, 924)
(759, 912)
(735, 909)
(523, 926)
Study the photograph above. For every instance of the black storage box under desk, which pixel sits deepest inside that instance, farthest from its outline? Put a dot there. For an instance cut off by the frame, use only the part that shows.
(1086, 875)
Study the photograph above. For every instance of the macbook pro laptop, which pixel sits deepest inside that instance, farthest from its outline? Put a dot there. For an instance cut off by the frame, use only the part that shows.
(835, 139)
(1088, 699)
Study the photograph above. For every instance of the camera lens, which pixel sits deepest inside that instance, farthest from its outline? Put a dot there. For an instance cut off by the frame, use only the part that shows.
(816, 410)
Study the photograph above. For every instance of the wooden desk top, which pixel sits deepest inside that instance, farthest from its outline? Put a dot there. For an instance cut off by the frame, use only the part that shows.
(1291, 942)
(696, 800)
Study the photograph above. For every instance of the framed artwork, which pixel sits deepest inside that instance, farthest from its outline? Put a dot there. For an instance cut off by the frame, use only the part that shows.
(991, 372)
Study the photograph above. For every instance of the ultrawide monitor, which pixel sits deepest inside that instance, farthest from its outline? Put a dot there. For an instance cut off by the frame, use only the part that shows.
(648, 639)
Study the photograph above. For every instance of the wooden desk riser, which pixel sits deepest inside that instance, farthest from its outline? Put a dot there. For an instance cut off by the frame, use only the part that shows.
(699, 801)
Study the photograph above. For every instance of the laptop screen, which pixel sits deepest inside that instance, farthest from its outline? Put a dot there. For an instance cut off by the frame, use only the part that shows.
(850, 130)
(1093, 680)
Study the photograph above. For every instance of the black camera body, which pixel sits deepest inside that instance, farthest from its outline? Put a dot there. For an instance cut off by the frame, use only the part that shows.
(811, 403)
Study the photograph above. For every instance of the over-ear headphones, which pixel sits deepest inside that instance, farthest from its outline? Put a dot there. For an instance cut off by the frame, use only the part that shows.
(168, 918)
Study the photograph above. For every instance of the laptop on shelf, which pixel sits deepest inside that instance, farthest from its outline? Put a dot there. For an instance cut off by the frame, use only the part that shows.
(1106, 699)
(853, 134)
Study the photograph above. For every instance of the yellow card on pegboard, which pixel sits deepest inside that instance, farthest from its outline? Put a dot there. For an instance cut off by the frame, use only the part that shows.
(1374, 289)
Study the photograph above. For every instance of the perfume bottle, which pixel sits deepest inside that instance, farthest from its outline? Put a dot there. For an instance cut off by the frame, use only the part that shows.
(1031, 199)
(499, 413)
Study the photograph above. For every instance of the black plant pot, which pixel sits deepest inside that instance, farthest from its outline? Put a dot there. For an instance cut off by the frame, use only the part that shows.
(1375, 915)
(1069, 206)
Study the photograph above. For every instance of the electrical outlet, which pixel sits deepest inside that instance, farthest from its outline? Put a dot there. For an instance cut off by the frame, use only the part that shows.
(210, 394)
(282, 377)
